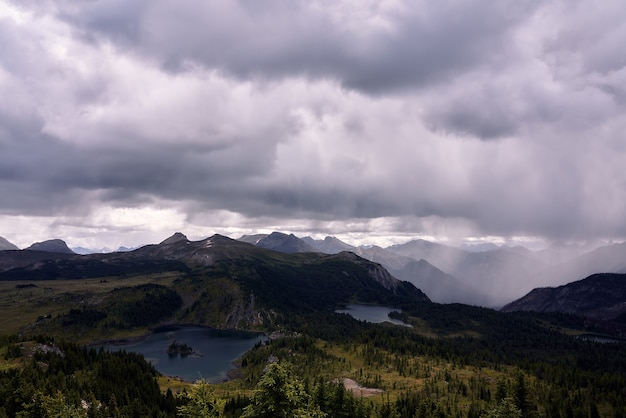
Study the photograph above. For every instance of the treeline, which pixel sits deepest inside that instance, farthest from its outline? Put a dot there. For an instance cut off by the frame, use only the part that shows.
(84, 268)
(59, 376)
(300, 375)
(127, 307)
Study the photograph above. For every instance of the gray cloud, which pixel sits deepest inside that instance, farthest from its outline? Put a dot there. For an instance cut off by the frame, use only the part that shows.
(383, 117)
(361, 45)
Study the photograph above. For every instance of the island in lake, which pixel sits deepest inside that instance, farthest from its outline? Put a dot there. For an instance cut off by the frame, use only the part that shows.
(176, 348)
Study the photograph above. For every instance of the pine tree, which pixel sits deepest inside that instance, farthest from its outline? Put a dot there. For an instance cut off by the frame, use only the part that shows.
(278, 394)
(202, 403)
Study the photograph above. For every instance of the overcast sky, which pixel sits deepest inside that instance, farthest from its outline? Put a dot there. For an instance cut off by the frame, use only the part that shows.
(376, 121)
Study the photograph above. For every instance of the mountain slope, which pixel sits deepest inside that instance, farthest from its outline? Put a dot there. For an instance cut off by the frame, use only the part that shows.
(329, 245)
(51, 246)
(6, 245)
(502, 275)
(599, 296)
(439, 286)
(16, 259)
(380, 255)
(284, 243)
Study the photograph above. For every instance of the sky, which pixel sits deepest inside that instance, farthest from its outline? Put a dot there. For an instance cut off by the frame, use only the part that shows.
(376, 121)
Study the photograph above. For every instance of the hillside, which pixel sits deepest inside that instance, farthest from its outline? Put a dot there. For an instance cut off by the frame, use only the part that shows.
(599, 296)
(439, 286)
(6, 245)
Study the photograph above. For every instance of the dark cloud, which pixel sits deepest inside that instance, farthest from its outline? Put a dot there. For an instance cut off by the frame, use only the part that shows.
(384, 117)
(409, 48)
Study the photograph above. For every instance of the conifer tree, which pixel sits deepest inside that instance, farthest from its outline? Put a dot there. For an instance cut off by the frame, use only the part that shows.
(202, 403)
(278, 394)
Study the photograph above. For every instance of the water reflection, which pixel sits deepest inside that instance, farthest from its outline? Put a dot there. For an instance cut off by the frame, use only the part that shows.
(371, 313)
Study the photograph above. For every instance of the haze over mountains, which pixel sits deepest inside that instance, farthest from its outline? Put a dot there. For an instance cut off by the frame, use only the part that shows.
(6, 245)
(487, 278)
(493, 277)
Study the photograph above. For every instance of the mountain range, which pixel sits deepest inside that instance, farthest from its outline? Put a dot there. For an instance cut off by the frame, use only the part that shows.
(225, 283)
(448, 274)
(491, 278)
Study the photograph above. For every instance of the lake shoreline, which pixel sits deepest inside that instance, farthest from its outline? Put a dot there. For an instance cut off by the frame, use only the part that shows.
(162, 327)
(222, 350)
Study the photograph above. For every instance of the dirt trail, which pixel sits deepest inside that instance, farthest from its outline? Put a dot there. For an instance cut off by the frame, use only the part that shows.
(359, 390)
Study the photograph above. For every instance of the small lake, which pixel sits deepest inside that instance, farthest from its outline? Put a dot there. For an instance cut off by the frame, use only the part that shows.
(371, 313)
(216, 350)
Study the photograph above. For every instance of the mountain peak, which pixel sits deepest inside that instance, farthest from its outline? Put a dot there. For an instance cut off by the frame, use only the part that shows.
(51, 246)
(177, 237)
(278, 241)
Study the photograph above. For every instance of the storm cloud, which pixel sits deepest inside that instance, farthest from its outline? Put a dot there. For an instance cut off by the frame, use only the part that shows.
(376, 121)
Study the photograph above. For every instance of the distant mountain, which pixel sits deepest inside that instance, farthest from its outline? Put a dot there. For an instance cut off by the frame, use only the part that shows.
(6, 245)
(103, 250)
(559, 253)
(605, 259)
(479, 248)
(599, 296)
(252, 239)
(502, 275)
(51, 246)
(439, 286)
(441, 256)
(83, 250)
(284, 243)
(329, 245)
(380, 255)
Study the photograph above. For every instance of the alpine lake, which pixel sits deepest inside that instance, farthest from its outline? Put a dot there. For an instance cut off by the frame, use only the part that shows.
(192, 352)
(372, 313)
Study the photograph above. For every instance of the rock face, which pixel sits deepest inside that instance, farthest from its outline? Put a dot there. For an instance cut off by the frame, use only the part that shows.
(599, 296)
(51, 246)
(6, 245)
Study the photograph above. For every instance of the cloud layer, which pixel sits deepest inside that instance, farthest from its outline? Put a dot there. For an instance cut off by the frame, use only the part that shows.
(382, 119)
